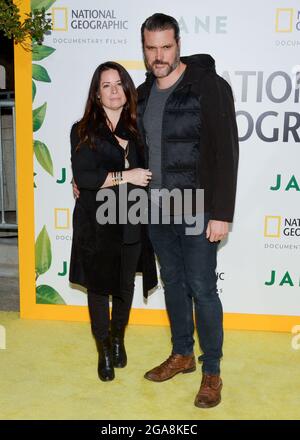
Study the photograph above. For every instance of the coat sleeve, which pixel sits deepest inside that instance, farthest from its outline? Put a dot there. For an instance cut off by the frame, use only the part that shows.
(87, 172)
(223, 135)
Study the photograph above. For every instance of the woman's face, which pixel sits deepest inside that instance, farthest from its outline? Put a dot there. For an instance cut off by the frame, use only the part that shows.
(111, 92)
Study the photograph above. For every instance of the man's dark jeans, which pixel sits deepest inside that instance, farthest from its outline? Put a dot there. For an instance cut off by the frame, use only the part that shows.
(188, 272)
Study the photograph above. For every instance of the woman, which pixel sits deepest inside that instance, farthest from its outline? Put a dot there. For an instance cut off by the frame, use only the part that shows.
(104, 259)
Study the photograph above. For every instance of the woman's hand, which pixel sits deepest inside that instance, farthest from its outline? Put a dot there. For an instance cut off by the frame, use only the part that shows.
(76, 192)
(137, 176)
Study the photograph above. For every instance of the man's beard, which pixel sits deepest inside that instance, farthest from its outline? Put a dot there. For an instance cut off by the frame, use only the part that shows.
(170, 69)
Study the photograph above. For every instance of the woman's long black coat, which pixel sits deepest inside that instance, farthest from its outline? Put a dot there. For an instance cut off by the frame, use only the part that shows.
(96, 249)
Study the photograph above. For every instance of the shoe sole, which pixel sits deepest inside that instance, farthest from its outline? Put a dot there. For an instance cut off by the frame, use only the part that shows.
(120, 365)
(207, 405)
(106, 379)
(190, 370)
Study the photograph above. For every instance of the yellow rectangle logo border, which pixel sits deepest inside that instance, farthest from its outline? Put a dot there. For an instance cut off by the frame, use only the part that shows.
(56, 211)
(53, 19)
(267, 218)
(278, 12)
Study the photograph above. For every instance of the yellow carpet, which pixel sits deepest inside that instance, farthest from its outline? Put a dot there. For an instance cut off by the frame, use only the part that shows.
(48, 371)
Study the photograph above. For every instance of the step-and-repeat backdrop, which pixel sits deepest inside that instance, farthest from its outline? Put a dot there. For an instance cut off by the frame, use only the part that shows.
(256, 47)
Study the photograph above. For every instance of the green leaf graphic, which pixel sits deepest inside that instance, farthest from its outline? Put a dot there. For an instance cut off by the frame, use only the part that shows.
(43, 255)
(40, 52)
(47, 295)
(38, 116)
(33, 90)
(43, 156)
(39, 4)
(39, 73)
(34, 185)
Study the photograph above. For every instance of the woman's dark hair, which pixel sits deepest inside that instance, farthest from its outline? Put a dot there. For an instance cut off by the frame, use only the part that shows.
(160, 22)
(94, 115)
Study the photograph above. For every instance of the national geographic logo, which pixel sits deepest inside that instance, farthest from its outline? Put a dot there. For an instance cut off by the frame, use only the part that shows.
(61, 218)
(276, 226)
(62, 222)
(64, 19)
(287, 23)
(287, 20)
(59, 19)
(272, 226)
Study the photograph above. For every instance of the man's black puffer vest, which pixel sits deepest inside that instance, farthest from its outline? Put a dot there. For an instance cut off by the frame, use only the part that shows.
(199, 135)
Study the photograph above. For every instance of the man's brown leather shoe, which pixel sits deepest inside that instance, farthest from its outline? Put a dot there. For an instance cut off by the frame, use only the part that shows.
(176, 363)
(209, 394)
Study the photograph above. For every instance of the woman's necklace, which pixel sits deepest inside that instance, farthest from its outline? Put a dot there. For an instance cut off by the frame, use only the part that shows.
(126, 150)
(126, 155)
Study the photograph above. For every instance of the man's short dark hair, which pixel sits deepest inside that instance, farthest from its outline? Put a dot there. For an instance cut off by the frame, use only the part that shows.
(160, 22)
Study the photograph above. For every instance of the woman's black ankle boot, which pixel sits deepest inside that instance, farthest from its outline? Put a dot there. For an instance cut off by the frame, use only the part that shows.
(118, 348)
(105, 361)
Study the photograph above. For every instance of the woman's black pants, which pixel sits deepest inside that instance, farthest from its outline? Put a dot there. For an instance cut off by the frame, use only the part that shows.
(98, 302)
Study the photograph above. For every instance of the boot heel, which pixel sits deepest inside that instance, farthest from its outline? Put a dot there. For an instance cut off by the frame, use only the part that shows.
(105, 363)
(190, 370)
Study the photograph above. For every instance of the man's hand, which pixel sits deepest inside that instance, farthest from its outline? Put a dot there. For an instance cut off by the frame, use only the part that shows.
(76, 192)
(216, 230)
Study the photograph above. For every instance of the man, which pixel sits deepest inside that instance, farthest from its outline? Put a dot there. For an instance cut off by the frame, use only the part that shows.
(187, 120)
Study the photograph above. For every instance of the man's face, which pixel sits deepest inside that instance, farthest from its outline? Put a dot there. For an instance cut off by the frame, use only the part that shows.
(161, 52)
